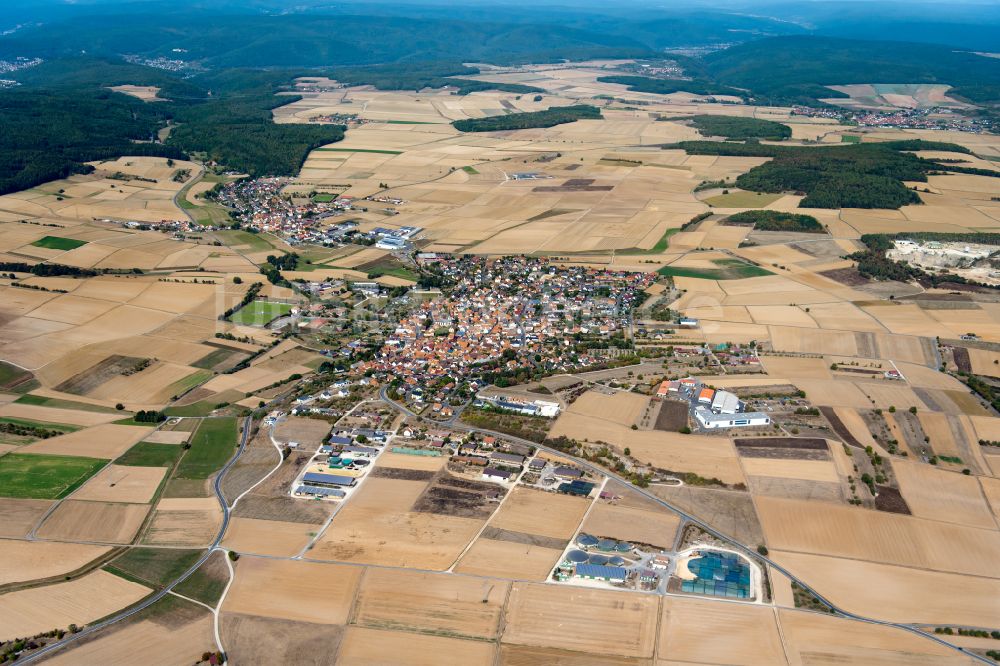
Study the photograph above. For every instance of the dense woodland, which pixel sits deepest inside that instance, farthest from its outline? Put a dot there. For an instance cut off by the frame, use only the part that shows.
(667, 86)
(867, 175)
(776, 220)
(737, 128)
(556, 115)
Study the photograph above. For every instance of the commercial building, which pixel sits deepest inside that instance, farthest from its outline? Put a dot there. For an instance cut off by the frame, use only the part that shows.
(706, 395)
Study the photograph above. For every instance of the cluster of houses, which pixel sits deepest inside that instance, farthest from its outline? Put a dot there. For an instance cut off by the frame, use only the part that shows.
(504, 314)
(340, 463)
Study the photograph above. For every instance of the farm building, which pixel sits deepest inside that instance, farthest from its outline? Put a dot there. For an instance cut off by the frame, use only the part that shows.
(706, 395)
(327, 480)
(567, 473)
(318, 491)
(493, 474)
(536, 464)
(360, 450)
(709, 420)
(508, 458)
(725, 402)
(667, 387)
(577, 487)
(688, 322)
(598, 572)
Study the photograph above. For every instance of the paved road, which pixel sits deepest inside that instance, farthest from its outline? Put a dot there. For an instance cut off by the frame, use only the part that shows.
(704, 526)
(149, 601)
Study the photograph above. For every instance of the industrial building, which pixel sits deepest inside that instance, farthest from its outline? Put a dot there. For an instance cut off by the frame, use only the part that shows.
(494, 474)
(706, 395)
(599, 572)
(577, 487)
(709, 420)
(725, 402)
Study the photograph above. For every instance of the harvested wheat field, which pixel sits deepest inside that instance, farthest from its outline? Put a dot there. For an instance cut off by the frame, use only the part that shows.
(169, 641)
(703, 455)
(524, 655)
(815, 639)
(702, 631)
(378, 527)
(656, 528)
(28, 612)
(898, 594)
(622, 407)
(268, 537)
(31, 560)
(941, 495)
(808, 470)
(538, 512)
(508, 559)
(293, 590)
(19, 516)
(574, 618)
(863, 534)
(362, 647)
(102, 522)
(440, 604)
(184, 521)
(56, 415)
(119, 483)
(101, 441)
(246, 637)
(405, 461)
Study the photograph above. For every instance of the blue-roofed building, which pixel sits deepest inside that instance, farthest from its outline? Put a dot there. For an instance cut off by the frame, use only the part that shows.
(360, 450)
(327, 480)
(580, 488)
(598, 572)
(340, 441)
(319, 491)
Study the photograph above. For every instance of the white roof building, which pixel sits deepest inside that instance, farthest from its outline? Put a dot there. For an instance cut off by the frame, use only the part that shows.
(725, 403)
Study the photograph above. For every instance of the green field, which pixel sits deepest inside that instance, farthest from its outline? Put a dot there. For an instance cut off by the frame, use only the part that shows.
(214, 358)
(149, 454)
(212, 445)
(661, 245)
(155, 566)
(742, 199)
(208, 582)
(260, 313)
(182, 386)
(323, 197)
(200, 408)
(469, 169)
(359, 150)
(729, 269)
(254, 242)
(44, 477)
(63, 404)
(59, 243)
(850, 138)
(15, 380)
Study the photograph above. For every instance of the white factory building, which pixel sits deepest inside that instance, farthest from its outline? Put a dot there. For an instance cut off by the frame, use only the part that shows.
(710, 420)
(725, 402)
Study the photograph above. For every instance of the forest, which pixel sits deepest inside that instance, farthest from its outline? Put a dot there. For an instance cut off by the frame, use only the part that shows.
(867, 175)
(667, 86)
(737, 128)
(776, 220)
(556, 115)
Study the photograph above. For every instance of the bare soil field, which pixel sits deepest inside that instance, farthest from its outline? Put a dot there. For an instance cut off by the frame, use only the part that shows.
(729, 511)
(430, 603)
(247, 637)
(118, 483)
(539, 512)
(28, 612)
(19, 516)
(31, 560)
(405, 461)
(378, 527)
(184, 521)
(703, 631)
(537, 616)
(361, 647)
(898, 594)
(523, 655)
(508, 559)
(656, 528)
(268, 537)
(293, 590)
(309, 433)
(102, 522)
(844, 531)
